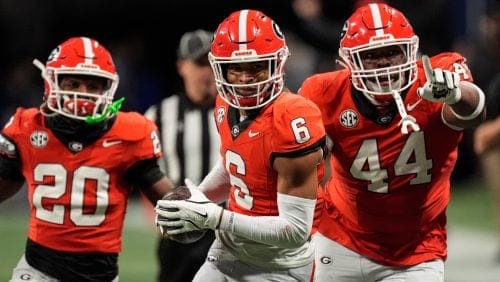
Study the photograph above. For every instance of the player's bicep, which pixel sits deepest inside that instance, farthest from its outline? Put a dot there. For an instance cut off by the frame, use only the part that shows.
(144, 173)
(297, 176)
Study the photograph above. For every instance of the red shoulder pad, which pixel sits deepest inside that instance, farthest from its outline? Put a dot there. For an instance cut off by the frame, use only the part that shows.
(451, 61)
(297, 123)
(132, 126)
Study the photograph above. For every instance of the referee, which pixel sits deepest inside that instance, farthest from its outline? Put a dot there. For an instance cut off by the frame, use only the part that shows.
(190, 145)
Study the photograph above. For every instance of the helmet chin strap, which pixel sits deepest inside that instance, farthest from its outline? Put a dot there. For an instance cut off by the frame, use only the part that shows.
(406, 119)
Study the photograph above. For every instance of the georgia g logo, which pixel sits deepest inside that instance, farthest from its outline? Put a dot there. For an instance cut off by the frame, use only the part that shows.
(344, 30)
(326, 260)
(25, 277)
(54, 54)
(277, 30)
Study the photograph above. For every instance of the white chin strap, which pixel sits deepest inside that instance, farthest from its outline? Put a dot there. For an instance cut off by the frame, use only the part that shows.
(406, 119)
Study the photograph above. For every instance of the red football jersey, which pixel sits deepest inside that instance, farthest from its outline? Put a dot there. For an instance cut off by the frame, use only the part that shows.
(78, 200)
(287, 126)
(387, 194)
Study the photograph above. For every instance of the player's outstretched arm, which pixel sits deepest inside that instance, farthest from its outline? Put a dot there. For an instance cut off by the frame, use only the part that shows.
(464, 101)
(297, 187)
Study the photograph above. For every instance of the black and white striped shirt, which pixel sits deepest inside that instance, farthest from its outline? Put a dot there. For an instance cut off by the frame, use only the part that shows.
(189, 138)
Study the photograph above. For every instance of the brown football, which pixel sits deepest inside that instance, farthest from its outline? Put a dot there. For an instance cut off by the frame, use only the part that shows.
(182, 193)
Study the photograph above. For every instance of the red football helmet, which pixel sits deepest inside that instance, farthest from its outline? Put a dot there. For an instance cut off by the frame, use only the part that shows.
(78, 56)
(374, 26)
(249, 36)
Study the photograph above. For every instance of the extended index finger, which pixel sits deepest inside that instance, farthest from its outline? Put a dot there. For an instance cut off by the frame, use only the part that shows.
(429, 73)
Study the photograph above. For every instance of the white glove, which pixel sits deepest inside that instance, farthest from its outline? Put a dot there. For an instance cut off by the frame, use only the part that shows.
(191, 185)
(195, 213)
(441, 85)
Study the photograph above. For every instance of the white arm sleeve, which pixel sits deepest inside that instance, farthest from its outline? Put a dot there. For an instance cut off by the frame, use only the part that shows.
(290, 229)
(216, 184)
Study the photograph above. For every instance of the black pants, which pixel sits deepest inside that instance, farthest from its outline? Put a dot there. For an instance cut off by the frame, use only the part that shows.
(180, 262)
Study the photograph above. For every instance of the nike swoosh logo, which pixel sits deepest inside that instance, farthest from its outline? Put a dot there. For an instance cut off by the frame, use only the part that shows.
(107, 143)
(201, 211)
(252, 134)
(411, 107)
(205, 215)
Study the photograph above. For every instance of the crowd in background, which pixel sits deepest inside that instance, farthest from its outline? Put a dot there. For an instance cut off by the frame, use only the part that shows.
(143, 35)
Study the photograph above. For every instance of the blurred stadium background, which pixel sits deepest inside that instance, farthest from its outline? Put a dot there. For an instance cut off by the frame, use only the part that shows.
(143, 41)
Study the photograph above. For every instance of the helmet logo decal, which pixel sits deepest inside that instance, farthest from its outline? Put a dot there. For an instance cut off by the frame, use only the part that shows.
(54, 55)
(349, 118)
(277, 30)
(343, 33)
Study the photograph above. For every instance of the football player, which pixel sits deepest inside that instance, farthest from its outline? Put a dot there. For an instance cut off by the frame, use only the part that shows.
(271, 148)
(395, 122)
(80, 158)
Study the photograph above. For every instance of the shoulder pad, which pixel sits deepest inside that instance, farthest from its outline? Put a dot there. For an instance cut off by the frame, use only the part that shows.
(451, 61)
(297, 123)
(132, 126)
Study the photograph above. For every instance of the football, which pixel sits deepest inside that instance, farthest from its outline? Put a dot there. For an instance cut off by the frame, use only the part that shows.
(181, 193)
